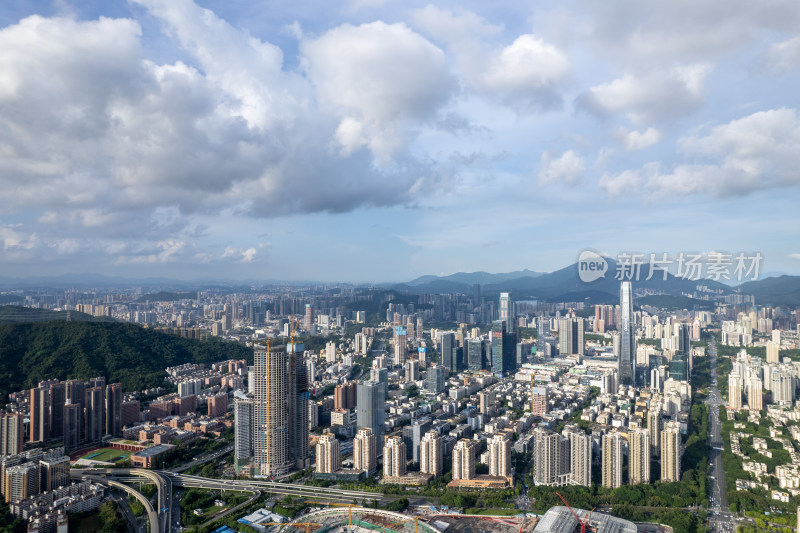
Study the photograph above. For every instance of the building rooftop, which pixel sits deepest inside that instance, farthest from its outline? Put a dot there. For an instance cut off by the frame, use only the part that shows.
(560, 520)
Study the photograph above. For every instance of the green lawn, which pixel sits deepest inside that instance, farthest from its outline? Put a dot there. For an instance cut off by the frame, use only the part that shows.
(108, 455)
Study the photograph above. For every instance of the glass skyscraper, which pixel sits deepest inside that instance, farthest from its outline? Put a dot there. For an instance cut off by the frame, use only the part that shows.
(627, 331)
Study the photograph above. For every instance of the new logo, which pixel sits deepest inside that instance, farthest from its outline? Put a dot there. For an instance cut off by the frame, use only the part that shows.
(591, 266)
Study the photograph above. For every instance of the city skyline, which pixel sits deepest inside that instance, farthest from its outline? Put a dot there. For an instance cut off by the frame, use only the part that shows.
(216, 140)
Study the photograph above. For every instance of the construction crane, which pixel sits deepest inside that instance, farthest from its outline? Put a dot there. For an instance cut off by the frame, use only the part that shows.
(306, 525)
(349, 509)
(585, 527)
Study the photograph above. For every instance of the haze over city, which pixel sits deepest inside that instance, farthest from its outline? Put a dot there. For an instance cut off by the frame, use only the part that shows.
(372, 140)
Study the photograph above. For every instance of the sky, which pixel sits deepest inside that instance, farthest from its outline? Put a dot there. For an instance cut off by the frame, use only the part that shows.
(380, 140)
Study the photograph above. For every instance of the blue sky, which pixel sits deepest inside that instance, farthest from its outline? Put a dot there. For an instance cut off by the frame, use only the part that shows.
(376, 140)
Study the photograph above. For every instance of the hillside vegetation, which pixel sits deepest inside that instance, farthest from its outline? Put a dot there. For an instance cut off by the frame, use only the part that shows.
(125, 353)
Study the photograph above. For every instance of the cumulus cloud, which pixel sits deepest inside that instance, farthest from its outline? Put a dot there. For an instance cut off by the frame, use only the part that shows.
(758, 152)
(638, 140)
(784, 56)
(568, 168)
(524, 75)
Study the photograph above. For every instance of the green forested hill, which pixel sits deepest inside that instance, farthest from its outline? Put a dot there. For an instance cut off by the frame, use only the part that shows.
(126, 353)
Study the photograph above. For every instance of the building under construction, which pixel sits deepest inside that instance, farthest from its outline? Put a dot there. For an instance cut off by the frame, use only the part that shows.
(562, 520)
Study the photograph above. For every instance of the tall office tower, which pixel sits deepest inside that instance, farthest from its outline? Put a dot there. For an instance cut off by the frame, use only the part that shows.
(412, 371)
(40, 414)
(270, 412)
(627, 331)
(571, 336)
(94, 415)
(755, 398)
(671, 452)
(76, 393)
(114, 409)
(684, 338)
(53, 472)
(448, 351)
(297, 406)
(400, 345)
(419, 428)
(308, 321)
(542, 334)
(330, 352)
(431, 454)
(612, 460)
(379, 374)
(580, 457)
(503, 349)
(72, 425)
(365, 451)
(12, 434)
(500, 455)
(639, 453)
(394, 457)
(654, 427)
(243, 428)
(474, 354)
(735, 391)
(464, 459)
(58, 397)
(773, 352)
(370, 407)
(21, 482)
(508, 312)
(329, 458)
(550, 458)
(435, 379)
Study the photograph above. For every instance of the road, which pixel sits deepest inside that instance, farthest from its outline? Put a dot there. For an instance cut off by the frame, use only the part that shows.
(720, 520)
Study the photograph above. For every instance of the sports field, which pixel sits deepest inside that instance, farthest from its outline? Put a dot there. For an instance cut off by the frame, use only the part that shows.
(107, 455)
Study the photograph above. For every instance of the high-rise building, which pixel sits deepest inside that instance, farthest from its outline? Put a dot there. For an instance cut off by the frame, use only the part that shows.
(371, 397)
(612, 460)
(394, 457)
(500, 455)
(419, 429)
(365, 451)
(53, 472)
(639, 457)
(270, 412)
(735, 390)
(550, 458)
(344, 395)
(580, 454)
(329, 458)
(76, 393)
(297, 406)
(671, 452)
(448, 351)
(72, 425)
(58, 397)
(654, 427)
(538, 403)
(504, 345)
(435, 379)
(431, 456)
(113, 410)
(464, 459)
(21, 482)
(627, 332)
(40, 414)
(130, 413)
(218, 405)
(571, 336)
(308, 322)
(330, 352)
(508, 312)
(243, 430)
(475, 354)
(12, 434)
(95, 415)
(400, 345)
(755, 398)
(412, 371)
(773, 352)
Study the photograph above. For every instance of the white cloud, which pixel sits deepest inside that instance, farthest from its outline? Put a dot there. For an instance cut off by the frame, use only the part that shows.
(638, 140)
(568, 168)
(784, 56)
(375, 77)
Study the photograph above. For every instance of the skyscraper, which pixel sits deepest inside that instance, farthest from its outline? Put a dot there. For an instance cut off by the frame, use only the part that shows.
(394, 457)
(639, 452)
(508, 312)
(448, 351)
(735, 390)
(400, 345)
(308, 320)
(365, 451)
(571, 336)
(94, 416)
(550, 458)
(431, 456)
(243, 428)
(270, 413)
(12, 433)
(503, 349)
(435, 379)
(76, 393)
(72, 425)
(371, 397)
(58, 397)
(580, 453)
(297, 406)
(464, 459)
(475, 354)
(627, 331)
(612, 460)
(40, 414)
(114, 409)
(671, 452)
(654, 428)
(329, 458)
